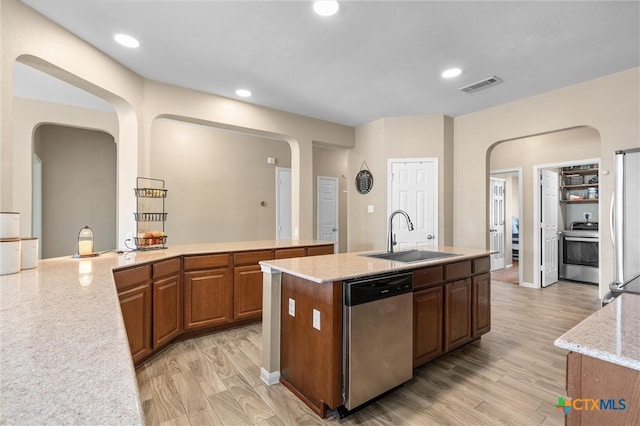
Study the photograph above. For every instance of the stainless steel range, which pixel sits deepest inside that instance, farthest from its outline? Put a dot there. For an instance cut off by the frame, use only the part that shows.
(579, 252)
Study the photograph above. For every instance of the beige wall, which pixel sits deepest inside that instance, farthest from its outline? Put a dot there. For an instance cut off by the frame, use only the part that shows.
(582, 143)
(397, 137)
(28, 115)
(78, 188)
(610, 105)
(32, 39)
(332, 162)
(216, 181)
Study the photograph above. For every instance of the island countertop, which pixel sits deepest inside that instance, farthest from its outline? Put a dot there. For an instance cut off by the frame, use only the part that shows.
(64, 354)
(610, 334)
(338, 267)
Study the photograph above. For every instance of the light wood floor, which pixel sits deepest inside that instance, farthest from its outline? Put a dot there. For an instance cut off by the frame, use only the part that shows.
(513, 375)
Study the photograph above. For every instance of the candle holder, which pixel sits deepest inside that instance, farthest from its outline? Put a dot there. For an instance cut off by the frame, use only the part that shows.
(85, 243)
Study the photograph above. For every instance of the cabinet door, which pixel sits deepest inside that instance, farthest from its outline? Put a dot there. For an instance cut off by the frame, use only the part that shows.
(427, 326)
(247, 292)
(167, 310)
(457, 313)
(135, 305)
(481, 304)
(207, 298)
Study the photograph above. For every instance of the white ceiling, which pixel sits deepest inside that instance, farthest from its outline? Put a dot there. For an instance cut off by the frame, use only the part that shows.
(373, 59)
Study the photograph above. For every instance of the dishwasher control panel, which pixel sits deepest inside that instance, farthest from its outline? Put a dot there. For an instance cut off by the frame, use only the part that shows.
(375, 288)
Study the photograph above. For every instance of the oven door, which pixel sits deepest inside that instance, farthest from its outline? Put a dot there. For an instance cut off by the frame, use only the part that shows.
(580, 251)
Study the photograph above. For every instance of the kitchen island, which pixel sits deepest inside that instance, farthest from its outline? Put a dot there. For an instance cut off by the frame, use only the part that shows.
(451, 308)
(65, 354)
(603, 365)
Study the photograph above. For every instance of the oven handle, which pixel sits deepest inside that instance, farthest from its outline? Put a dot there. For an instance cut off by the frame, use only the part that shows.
(582, 239)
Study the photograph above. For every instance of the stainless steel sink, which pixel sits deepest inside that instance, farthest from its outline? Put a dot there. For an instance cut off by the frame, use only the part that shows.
(410, 255)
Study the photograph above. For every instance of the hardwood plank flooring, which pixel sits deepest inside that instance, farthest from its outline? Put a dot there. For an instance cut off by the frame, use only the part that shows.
(513, 375)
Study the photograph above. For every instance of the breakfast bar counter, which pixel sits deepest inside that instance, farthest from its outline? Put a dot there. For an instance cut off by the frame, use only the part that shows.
(603, 365)
(64, 354)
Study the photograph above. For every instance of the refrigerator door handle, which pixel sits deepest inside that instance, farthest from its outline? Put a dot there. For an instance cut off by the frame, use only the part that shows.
(611, 219)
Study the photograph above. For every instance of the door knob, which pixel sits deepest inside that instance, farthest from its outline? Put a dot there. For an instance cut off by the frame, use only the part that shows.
(430, 237)
(334, 229)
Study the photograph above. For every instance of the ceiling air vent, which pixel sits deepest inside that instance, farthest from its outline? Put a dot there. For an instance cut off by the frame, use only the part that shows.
(482, 84)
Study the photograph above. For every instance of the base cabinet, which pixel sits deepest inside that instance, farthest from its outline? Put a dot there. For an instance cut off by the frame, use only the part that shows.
(247, 292)
(134, 292)
(457, 313)
(167, 310)
(481, 304)
(207, 298)
(427, 326)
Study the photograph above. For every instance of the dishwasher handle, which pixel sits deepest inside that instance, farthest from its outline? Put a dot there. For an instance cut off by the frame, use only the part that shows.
(376, 288)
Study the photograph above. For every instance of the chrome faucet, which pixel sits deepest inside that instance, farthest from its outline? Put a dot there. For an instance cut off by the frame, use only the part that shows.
(391, 241)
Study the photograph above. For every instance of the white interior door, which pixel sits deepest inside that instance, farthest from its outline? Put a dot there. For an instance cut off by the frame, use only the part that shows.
(413, 187)
(497, 213)
(549, 226)
(328, 209)
(283, 203)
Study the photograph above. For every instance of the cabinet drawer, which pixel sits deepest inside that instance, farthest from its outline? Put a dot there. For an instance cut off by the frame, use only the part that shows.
(252, 257)
(291, 252)
(320, 250)
(207, 261)
(427, 276)
(481, 265)
(166, 267)
(130, 277)
(453, 271)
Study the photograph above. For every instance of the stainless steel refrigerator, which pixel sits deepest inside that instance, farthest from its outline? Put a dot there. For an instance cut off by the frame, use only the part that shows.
(625, 222)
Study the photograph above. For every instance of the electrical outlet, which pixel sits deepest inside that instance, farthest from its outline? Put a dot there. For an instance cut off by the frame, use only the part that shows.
(292, 307)
(316, 319)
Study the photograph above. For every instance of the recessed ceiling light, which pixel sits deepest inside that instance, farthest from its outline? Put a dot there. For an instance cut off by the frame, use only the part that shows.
(451, 72)
(243, 93)
(126, 40)
(326, 7)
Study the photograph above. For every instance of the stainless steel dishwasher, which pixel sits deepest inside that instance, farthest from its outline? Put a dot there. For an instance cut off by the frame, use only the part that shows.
(378, 336)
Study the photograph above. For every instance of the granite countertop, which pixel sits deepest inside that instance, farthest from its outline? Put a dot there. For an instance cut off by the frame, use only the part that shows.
(611, 334)
(338, 267)
(64, 354)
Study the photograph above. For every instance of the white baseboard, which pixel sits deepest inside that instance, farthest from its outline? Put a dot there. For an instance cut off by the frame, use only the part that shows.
(269, 378)
(529, 285)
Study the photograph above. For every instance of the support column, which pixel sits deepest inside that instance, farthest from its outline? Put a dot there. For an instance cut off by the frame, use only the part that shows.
(270, 370)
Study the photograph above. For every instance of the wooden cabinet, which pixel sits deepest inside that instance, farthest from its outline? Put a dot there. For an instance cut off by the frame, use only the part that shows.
(451, 307)
(167, 302)
(208, 293)
(134, 292)
(614, 387)
(311, 358)
(457, 313)
(247, 284)
(481, 304)
(208, 298)
(427, 324)
(320, 250)
(291, 252)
